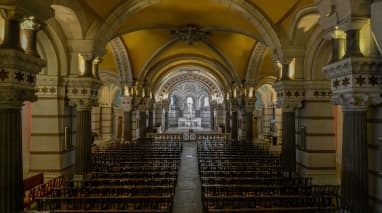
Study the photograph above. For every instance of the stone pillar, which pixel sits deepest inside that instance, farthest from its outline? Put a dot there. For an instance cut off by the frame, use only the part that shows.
(165, 108)
(83, 94)
(234, 120)
(29, 27)
(288, 149)
(158, 114)
(142, 121)
(83, 139)
(249, 108)
(17, 84)
(213, 107)
(227, 117)
(150, 115)
(290, 94)
(127, 102)
(355, 88)
(354, 160)
(11, 180)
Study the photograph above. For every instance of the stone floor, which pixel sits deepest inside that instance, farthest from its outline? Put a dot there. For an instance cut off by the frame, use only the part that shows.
(187, 193)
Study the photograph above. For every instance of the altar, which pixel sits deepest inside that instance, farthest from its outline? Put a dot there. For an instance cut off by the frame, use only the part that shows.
(189, 122)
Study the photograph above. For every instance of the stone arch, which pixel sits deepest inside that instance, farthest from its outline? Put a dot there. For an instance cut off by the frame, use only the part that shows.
(122, 59)
(72, 18)
(176, 75)
(293, 34)
(108, 29)
(228, 75)
(254, 62)
(317, 45)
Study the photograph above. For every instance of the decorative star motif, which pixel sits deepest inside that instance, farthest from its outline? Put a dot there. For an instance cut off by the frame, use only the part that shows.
(288, 94)
(75, 91)
(52, 90)
(336, 83)
(19, 76)
(346, 81)
(4, 74)
(373, 80)
(30, 78)
(316, 93)
(360, 80)
(44, 90)
(296, 94)
(84, 91)
(323, 93)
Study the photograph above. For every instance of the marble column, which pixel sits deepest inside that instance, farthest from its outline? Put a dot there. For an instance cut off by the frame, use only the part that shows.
(11, 178)
(227, 121)
(249, 118)
(288, 149)
(234, 127)
(83, 140)
(212, 117)
(142, 123)
(354, 187)
(127, 134)
(166, 119)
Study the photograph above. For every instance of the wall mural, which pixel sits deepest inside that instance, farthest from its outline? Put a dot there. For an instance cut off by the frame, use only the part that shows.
(189, 106)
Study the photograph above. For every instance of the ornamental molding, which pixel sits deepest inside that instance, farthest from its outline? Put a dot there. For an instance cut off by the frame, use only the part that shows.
(18, 77)
(290, 94)
(317, 90)
(356, 99)
(50, 86)
(190, 34)
(83, 92)
(355, 81)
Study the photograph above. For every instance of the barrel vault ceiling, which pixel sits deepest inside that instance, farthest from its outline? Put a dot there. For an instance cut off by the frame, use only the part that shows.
(227, 37)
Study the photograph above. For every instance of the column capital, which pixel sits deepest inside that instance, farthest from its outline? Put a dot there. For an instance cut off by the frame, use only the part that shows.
(290, 94)
(83, 92)
(127, 103)
(18, 77)
(355, 81)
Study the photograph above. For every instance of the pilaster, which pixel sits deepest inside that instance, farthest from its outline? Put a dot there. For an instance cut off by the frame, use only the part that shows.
(316, 145)
(289, 97)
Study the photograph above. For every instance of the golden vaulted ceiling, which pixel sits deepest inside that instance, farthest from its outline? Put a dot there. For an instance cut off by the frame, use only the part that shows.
(230, 40)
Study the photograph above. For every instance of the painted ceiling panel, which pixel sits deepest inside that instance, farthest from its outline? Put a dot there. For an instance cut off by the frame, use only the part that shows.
(180, 13)
(141, 45)
(237, 48)
(108, 61)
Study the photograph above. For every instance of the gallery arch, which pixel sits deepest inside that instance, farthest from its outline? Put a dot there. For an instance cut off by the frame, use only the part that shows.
(304, 78)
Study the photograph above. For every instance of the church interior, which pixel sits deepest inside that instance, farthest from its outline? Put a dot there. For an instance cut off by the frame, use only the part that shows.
(191, 106)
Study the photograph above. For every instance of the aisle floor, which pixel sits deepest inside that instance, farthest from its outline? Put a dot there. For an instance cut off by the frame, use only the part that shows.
(187, 193)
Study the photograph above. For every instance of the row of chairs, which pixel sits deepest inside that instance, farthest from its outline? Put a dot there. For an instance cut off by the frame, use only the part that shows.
(247, 177)
(119, 182)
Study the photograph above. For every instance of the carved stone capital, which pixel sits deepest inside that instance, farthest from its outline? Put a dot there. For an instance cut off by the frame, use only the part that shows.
(83, 92)
(355, 81)
(18, 77)
(356, 100)
(290, 94)
(127, 103)
(317, 90)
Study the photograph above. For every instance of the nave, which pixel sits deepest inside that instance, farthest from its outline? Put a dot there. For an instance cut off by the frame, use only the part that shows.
(182, 177)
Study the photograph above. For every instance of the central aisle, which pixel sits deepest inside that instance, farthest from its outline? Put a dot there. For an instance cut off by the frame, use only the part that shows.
(187, 193)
